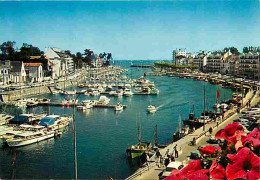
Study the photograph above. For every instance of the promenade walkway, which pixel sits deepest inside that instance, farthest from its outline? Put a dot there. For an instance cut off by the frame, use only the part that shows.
(201, 138)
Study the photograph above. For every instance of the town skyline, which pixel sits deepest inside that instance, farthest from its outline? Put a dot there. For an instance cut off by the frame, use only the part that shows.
(132, 30)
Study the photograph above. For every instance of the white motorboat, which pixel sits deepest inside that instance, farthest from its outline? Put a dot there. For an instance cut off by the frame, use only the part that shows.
(100, 89)
(87, 93)
(4, 118)
(119, 93)
(55, 92)
(94, 93)
(55, 122)
(119, 107)
(151, 108)
(104, 100)
(32, 102)
(71, 92)
(90, 102)
(81, 107)
(89, 105)
(29, 138)
(128, 92)
(112, 93)
(21, 103)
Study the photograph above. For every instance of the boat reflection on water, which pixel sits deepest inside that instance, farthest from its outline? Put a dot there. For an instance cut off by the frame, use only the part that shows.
(36, 147)
(87, 112)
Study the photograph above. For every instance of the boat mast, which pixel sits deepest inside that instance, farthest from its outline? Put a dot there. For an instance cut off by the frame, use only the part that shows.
(204, 107)
(155, 141)
(139, 133)
(207, 102)
(179, 125)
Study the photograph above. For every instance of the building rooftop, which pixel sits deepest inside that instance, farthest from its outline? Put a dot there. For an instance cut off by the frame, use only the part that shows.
(32, 64)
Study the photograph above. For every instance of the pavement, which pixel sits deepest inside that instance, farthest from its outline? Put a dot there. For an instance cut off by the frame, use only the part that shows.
(183, 144)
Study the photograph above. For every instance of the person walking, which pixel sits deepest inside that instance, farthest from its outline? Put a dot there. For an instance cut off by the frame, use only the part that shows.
(210, 131)
(176, 151)
(147, 160)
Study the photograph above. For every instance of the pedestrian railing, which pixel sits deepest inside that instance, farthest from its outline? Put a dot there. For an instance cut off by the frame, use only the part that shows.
(141, 171)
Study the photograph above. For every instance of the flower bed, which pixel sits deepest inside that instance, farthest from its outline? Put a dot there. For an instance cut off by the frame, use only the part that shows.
(236, 158)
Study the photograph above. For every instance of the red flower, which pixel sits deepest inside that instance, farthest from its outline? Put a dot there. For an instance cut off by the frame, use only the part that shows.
(193, 171)
(252, 138)
(246, 165)
(208, 150)
(232, 133)
(217, 171)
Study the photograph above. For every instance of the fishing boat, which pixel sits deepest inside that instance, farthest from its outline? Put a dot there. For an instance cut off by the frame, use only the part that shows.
(181, 132)
(119, 107)
(29, 137)
(155, 140)
(151, 108)
(139, 149)
(128, 92)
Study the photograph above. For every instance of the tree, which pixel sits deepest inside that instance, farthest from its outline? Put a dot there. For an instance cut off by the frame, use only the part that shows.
(8, 47)
(245, 50)
(68, 52)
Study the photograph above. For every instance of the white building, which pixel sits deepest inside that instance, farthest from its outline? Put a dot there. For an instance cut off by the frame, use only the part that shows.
(34, 72)
(61, 62)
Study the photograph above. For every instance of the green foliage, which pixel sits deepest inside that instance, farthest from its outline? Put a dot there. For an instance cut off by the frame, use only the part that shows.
(232, 49)
(173, 66)
(245, 50)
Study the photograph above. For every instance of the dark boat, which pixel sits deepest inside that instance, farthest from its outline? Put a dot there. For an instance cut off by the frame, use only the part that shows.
(155, 141)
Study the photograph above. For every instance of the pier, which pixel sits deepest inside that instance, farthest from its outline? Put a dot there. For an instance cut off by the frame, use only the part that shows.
(77, 104)
(141, 66)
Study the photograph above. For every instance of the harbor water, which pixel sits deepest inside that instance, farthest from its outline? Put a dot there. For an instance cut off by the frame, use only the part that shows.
(103, 135)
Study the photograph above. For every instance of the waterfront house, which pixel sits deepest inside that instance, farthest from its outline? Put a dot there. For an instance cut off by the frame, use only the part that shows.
(225, 63)
(34, 72)
(66, 64)
(5, 76)
(18, 72)
(214, 62)
(250, 65)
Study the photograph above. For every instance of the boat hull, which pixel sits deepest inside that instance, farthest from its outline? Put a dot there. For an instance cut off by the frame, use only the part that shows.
(27, 142)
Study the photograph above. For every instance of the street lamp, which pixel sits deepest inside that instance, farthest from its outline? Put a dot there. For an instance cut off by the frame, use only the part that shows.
(75, 139)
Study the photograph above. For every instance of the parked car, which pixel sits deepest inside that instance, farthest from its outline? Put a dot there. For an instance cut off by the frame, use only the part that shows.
(167, 171)
(195, 155)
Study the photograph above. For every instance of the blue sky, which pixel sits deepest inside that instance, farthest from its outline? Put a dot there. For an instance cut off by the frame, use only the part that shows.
(132, 30)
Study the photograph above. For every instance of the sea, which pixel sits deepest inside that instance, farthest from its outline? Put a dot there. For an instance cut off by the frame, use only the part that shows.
(103, 135)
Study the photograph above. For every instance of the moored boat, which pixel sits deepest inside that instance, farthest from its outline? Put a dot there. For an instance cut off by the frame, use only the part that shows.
(139, 149)
(119, 107)
(29, 138)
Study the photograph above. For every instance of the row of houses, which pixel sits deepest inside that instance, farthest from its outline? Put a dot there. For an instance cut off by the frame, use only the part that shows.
(53, 64)
(245, 65)
(20, 72)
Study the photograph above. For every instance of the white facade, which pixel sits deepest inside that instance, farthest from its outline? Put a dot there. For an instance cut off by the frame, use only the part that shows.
(181, 52)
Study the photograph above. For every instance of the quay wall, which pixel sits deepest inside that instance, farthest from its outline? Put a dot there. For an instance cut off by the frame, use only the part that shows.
(83, 74)
(34, 91)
